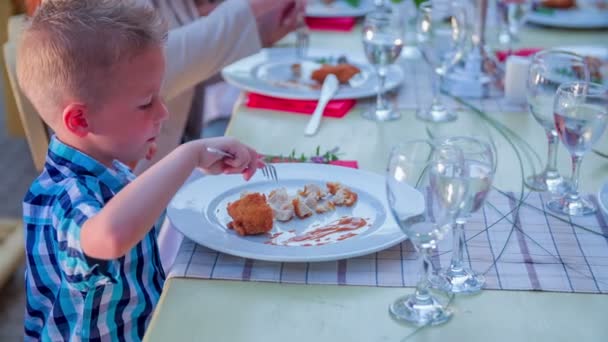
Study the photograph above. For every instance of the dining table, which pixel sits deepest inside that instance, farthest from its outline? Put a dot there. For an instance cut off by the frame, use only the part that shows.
(215, 309)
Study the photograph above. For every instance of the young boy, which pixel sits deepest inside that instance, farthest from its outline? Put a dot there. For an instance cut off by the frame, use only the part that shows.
(93, 70)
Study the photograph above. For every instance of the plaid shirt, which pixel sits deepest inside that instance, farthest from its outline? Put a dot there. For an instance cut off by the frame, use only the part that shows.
(71, 296)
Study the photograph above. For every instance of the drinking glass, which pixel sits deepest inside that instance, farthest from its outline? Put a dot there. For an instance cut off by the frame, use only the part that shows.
(581, 115)
(479, 167)
(547, 71)
(512, 14)
(425, 190)
(382, 42)
(441, 36)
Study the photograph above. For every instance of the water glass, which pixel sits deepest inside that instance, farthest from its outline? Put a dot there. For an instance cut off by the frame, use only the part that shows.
(512, 14)
(441, 35)
(425, 190)
(547, 71)
(581, 115)
(382, 42)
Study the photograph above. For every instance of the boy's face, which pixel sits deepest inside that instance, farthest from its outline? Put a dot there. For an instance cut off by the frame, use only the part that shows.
(130, 118)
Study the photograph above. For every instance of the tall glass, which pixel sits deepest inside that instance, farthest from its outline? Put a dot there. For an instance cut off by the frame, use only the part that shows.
(512, 14)
(441, 36)
(547, 71)
(480, 166)
(382, 42)
(425, 190)
(581, 115)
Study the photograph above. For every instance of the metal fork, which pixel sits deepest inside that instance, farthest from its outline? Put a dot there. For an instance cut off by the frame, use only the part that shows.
(268, 170)
(302, 37)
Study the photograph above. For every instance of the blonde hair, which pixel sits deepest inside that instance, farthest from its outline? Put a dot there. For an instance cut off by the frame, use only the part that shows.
(70, 47)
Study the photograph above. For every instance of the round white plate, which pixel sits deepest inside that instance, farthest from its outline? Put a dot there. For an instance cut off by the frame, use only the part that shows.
(571, 18)
(199, 212)
(602, 198)
(269, 73)
(338, 8)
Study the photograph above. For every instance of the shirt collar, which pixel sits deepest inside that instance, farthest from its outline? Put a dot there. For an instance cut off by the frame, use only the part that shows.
(80, 163)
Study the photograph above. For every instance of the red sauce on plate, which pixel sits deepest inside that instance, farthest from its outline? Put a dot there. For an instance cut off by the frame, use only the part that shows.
(339, 230)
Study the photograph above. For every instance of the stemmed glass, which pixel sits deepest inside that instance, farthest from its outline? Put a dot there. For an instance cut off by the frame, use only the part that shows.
(441, 36)
(480, 166)
(382, 42)
(549, 69)
(425, 190)
(581, 115)
(513, 14)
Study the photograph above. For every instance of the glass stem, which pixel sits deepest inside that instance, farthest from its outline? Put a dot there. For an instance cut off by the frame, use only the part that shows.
(381, 79)
(422, 288)
(458, 248)
(553, 141)
(436, 79)
(576, 169)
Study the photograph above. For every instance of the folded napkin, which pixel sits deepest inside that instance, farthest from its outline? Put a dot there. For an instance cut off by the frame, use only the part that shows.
(331, 24)
(503, 54)
(334, 109)
(346, 163)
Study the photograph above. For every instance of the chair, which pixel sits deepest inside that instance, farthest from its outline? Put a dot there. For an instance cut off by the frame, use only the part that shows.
(36, 131)
(11, 248)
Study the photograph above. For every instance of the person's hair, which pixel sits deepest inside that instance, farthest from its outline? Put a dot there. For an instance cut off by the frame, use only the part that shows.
(69, 48)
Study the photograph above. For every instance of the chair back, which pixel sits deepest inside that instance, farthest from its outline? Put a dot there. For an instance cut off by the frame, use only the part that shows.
(36, 131)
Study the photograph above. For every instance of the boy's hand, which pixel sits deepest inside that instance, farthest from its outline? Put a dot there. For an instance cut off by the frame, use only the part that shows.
(246, 160)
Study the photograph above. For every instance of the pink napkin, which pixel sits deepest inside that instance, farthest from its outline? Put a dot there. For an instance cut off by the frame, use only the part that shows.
(331, 24)
(346, 163)
(503, 54)
(334, 109)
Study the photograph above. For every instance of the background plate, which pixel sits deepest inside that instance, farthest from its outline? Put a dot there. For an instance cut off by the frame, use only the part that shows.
(339, 8)
(199, 212)
(245, 74)
(572, 18)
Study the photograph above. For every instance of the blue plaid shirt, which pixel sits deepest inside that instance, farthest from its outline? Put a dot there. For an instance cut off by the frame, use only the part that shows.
(71, 296)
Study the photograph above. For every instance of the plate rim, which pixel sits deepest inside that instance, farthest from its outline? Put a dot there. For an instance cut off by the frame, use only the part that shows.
(537, 18)
(397, 235)
(354, 13)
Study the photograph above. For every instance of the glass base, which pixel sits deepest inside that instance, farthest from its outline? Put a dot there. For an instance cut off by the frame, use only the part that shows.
(436, 113)
(464, 280)
(573, 207)
(387, 114)
(419, 312)
(553, 183)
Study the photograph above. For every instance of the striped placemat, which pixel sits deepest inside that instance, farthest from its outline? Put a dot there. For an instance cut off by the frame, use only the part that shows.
(517, 245)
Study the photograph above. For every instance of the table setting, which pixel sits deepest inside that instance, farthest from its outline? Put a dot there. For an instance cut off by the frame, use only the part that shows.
(466, 161)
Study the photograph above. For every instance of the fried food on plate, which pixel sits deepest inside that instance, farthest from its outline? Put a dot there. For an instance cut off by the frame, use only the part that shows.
(251, 214)
(344, 72)
(343, 196)
(563, 4)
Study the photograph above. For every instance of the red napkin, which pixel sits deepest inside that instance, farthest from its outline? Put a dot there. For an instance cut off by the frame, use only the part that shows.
(331, 24)
(334, 109)
(346, 163)
(503, 54)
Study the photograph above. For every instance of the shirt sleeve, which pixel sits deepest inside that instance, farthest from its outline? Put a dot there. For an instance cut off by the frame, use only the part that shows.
(74, 207)
(200, 49)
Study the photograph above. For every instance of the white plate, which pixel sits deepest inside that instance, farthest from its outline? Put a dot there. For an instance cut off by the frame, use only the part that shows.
(571, 18)
(199, 212)
(339, 8)
(602, 198)
(269, 73)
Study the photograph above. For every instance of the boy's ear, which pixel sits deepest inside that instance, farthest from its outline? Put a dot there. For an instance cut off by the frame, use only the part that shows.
(75, 119)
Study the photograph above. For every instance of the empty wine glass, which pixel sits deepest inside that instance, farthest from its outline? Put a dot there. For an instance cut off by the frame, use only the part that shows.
(512, 14)
(479, 167)
(549, 69)
(425, 190)
(581, 115)
(382, 42)
(441, 36)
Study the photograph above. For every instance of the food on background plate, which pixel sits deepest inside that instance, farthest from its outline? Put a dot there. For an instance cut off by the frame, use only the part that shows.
(561, 4)
(343, 72)
(597, 69)
(251, 214)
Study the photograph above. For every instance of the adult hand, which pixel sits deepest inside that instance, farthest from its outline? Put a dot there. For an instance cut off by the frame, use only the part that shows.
(276, 18)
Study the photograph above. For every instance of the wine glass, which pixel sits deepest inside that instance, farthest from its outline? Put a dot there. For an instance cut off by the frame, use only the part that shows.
(382, 42)
(513, 14)
(441, 36)
(549, 69)
(479, 167)
(581, 115)
(425, 190)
